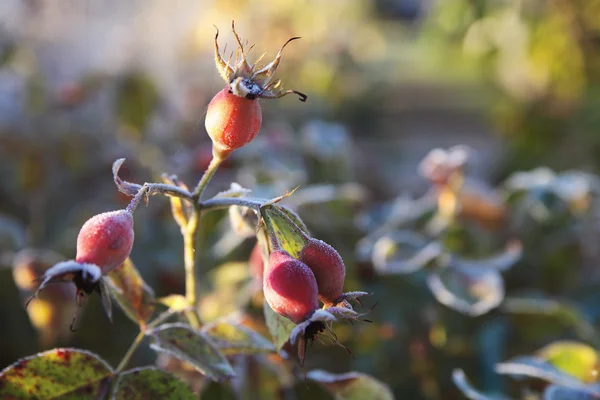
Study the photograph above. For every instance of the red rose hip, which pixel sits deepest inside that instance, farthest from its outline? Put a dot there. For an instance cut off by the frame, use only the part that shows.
(234, 116)
(290, 287)
(327, 266)
(232, 121)
(106, 240)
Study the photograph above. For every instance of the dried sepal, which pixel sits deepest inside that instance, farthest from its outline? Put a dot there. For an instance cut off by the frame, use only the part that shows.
(251, 81)
(223, 67)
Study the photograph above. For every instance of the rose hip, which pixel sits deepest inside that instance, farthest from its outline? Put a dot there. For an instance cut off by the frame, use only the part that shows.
(106, 240)
(328, 268)
(290, 287)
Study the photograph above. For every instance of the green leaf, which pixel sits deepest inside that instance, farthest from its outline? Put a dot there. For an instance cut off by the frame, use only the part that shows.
(288, 235)
(59, 373)
(192, 346)
(573, 358)
(131, 292)
(280, 327)
(231, 338)
(150, 383)
(294, 217)
(351, 385)
(175, 302)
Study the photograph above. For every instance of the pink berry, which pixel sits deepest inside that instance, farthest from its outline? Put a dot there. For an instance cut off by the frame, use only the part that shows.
(106, 240)
(327, 266)
(290, 287)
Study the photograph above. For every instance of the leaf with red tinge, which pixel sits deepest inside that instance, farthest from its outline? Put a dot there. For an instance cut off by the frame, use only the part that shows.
(134, 296)
(351, 385)
(232, 337)
(192, 346)
(150, 383)
(58, 373)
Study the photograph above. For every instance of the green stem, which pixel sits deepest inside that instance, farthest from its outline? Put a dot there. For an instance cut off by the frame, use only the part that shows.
(189, 242)
(189, 256)
(208, 174)
(130, 351)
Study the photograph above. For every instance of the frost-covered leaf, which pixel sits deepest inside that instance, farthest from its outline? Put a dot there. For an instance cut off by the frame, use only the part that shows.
(461, 381)
(291, 214)
(192, 346)
(534, 367)
(500, 262)
(150, 383)
(403, 252)
(134, 296)
(278, 224)
(232, 337)
(471, 291)
(280, 327)
(351, 385)
(59, 373)
(555, 392)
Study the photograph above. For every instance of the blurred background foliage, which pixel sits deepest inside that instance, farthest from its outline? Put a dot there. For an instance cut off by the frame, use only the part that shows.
(83, 83)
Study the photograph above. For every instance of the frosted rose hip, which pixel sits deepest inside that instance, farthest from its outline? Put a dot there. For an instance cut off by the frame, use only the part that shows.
(327, 266)
(232, 121)
(106, 240)
(290, 287)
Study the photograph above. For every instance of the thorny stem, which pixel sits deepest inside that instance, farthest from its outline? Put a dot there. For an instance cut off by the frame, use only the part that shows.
(130, 351)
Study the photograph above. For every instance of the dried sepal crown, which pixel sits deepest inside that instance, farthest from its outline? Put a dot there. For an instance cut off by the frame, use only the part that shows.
(251, 81)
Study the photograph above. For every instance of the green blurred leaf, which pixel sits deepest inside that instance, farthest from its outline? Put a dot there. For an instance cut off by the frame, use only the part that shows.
(137, 98)
(175, 302)
(576, 359)
(194, 347)
(150, 383)
(59, 373)
(233, 338)
(134, 296)
(280, 327)
(351, 385)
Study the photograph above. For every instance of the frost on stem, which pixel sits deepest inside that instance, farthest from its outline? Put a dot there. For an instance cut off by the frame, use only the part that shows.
(252, 82)
(147, 189)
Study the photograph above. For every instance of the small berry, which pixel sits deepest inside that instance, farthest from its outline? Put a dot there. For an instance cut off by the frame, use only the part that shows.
(290, 287)
(106, 240)
(327, 266)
